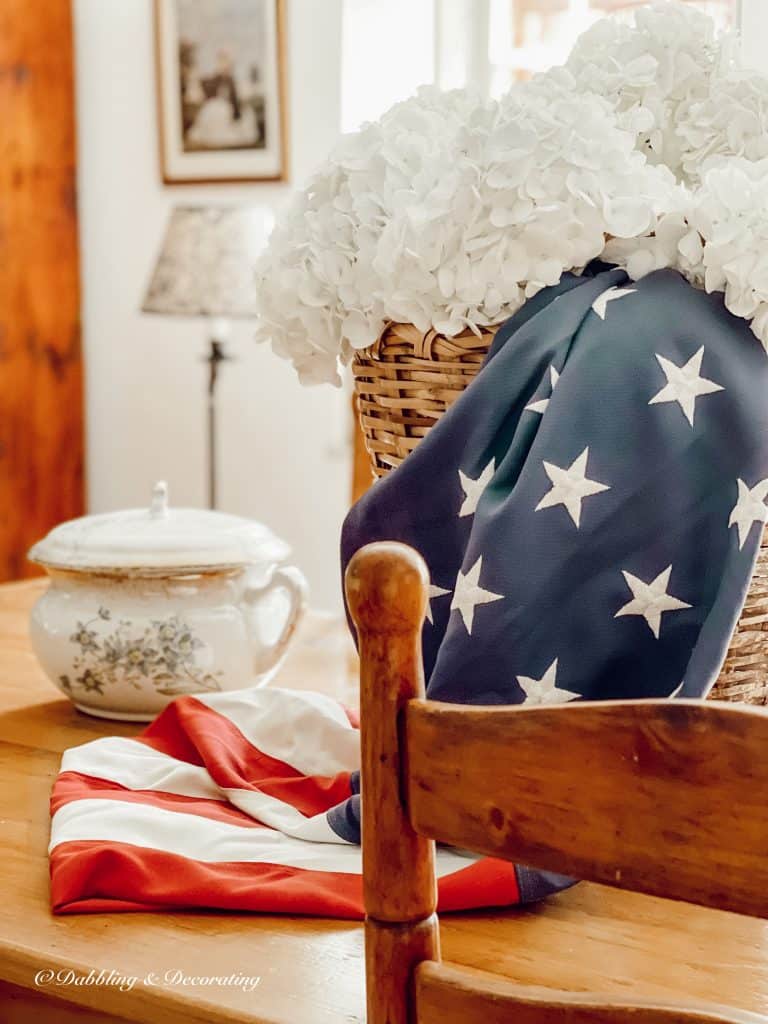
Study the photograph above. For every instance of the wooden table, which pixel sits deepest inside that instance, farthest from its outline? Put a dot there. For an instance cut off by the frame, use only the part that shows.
(311, 970)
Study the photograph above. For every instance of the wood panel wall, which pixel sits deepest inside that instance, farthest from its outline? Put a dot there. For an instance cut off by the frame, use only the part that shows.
(41, 404)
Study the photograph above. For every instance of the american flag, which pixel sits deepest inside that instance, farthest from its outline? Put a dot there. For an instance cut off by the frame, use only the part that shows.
(229, 801)
(590, 510)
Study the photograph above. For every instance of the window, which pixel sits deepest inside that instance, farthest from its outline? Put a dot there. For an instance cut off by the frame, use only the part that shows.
(526, 36)
(390, 48)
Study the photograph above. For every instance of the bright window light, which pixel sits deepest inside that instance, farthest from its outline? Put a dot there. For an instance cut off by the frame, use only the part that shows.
(527, 36)
(388, 51)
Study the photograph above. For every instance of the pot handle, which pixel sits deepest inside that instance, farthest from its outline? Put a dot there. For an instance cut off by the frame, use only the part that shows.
(293, 582)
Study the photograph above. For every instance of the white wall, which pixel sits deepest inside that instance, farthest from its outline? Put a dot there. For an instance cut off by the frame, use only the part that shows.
(388, 51)
(283, 457)
(754, 28)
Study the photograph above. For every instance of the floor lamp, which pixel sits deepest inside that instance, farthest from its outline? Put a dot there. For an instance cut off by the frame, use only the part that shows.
(205, 269)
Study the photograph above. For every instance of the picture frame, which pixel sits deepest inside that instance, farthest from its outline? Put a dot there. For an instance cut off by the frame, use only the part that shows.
(221, 95)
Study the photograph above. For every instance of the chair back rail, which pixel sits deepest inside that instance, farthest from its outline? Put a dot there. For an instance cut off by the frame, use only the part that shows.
(445, 994)
(663, 797)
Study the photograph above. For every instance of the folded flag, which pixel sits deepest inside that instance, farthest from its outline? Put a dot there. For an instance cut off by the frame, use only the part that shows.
(226, 800)
(590, 510)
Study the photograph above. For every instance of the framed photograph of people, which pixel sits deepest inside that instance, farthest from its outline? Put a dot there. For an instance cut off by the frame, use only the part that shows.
(221, 95)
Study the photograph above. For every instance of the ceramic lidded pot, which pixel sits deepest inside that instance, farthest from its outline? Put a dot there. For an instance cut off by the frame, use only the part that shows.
(148, 604)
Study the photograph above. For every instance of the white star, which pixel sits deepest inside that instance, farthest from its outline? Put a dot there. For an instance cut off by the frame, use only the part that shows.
(650, 600)
(473, 489)
(469, 594)
(749, 509)
(541, 405)
(544, 691)
(434, 591)
(600, 305)
(684, 384)
(570, 486)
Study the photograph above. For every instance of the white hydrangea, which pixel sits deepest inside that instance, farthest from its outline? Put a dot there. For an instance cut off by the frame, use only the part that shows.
(652, 71)
(341, 259)
(677, 85)
(662, 248)
(730, 217)
(729, 121)
(449, 212)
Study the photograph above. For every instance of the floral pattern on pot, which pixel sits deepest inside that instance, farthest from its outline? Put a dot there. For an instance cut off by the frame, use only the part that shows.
(163, 655)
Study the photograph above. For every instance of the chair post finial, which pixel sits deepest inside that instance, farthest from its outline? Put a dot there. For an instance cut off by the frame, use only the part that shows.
(387, 585)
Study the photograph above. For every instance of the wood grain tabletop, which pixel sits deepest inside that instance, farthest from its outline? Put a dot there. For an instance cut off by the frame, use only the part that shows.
(310, 970)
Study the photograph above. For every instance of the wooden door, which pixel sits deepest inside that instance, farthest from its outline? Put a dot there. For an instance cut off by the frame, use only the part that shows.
(41, 405)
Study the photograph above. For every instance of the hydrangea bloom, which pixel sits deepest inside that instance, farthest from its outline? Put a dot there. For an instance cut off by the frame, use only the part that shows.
(363, 242)
(450, 212)
(730, 216)
(730, 120)
(652, 71)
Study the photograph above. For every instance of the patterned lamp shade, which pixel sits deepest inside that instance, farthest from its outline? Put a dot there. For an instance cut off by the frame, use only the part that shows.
(206, 262)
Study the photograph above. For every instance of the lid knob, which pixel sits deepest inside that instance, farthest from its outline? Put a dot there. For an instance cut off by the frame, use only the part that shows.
(159, 507)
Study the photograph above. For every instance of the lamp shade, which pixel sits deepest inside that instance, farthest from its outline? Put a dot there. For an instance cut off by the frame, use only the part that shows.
(206, 262)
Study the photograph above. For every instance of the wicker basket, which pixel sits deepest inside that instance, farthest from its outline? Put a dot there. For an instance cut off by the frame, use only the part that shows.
(404, 384)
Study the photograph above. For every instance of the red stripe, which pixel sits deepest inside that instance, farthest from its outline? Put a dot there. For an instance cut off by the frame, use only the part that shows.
(485, 883)
(89, 876)
(101, 876)
(191, 731)
(71, 786)
(168, 734)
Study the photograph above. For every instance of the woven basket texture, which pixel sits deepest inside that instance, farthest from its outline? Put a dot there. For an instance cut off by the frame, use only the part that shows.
(404, 384)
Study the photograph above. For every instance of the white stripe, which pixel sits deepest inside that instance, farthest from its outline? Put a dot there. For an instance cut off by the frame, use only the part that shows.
(273, 812)
(306, 730)
(203, 839)
(137, 766)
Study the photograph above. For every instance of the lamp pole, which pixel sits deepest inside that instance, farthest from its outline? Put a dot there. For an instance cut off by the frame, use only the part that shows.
(216, 356)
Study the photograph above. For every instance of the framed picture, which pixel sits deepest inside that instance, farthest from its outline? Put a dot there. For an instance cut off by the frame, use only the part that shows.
(221, 95)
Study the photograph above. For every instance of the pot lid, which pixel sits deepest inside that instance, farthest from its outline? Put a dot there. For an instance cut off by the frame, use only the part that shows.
(159, 537)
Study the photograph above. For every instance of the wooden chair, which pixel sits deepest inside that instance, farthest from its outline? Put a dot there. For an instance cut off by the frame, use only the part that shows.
(662, 797)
